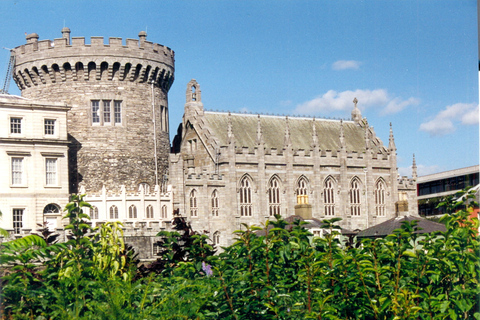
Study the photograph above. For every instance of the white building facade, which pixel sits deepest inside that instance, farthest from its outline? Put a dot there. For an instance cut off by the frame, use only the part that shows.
(33, 162)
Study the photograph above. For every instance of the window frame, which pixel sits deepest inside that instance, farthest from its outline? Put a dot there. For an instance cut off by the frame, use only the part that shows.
(193, 202)
(106, 112)
(245, 190)
(15, 172)
(16, 223)
(50, 183)
(47, 127)
(274, 198)
(16, 126)
(329, 197)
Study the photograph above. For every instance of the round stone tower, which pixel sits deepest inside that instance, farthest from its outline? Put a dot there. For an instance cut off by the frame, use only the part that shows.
(118, 124)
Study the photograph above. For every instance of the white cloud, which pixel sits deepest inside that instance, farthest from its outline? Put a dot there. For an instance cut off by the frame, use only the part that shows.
(471, 117)
(346, 64)
(341, 101)
(396, 105)
(444, 122)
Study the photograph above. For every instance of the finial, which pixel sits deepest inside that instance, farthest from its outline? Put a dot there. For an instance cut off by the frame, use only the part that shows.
(414, 169)
(259, 131)
(342, 135)
(229, 127)
(314, 134)
(287, 141)
(356, 114)
(391, 140)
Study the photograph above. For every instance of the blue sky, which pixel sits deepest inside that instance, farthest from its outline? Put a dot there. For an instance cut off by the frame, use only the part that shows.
(411, 63)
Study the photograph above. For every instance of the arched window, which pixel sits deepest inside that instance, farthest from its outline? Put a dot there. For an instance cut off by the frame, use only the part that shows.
(355, 197)
(214, 202)
(274, 196)
(380, 198)
(193, 203)
(216, 238)
(145, 186)
(164, 212)
(51, 208)
(149, 211)
(302, 191)
(132, 212)
(329, 197)
(94, 212)
(113, 212)
(50, 213)
(245, 197)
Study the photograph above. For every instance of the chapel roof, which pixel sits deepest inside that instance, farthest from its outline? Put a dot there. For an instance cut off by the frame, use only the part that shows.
(245, 130)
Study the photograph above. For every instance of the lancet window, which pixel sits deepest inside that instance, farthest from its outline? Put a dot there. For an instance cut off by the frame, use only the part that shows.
(274, 197)
(245, 197)
(380, 198)
(329, 197)
(355, 200)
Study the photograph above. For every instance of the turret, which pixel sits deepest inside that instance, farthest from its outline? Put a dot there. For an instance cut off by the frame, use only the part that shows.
(119, 97)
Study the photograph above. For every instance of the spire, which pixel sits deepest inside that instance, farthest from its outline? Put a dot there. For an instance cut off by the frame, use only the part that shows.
(314, 134)
(287, 141)
(391, 141)
(342, 135)
(414, 169)
(259, 132)
(356, 114)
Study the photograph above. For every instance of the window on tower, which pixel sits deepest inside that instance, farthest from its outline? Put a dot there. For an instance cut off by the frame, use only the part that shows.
(103, 114)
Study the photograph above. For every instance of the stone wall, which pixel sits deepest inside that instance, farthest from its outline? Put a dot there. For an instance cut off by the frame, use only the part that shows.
(138, 75)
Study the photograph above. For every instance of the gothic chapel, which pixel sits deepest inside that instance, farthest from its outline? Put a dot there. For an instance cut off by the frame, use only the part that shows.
(229, 168)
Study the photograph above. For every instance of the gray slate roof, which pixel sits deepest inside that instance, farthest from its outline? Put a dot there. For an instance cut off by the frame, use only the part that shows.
(385, 228)
(244, 128)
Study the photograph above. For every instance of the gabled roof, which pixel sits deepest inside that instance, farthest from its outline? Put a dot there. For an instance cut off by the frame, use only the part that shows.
(385, 228)
(245, 127)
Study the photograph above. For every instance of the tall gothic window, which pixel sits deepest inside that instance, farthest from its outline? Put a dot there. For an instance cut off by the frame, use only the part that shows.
(149, 212)
(132, 212)
(193, 203)
(245, 197)
(164, 212)
(274, 197)
(302, 191)
(329, 197)
(216, 238)
(94, 212)
(113, 212)
(380, 198)
(355, 197)
(214, 202)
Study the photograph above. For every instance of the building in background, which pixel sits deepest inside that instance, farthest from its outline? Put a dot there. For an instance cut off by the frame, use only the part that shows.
(433, 188)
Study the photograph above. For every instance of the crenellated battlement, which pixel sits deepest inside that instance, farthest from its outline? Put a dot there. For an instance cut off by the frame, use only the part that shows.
(42, 62)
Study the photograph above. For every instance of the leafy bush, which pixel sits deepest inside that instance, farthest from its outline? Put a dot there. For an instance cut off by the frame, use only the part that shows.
(282, 272)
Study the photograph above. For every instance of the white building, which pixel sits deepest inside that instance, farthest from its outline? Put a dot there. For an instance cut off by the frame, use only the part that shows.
(33, 162)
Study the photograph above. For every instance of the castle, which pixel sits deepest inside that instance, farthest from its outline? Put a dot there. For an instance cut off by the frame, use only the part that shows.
(109, 121)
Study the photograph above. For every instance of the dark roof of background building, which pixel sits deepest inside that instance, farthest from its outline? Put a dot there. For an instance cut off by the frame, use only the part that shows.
(385, 228)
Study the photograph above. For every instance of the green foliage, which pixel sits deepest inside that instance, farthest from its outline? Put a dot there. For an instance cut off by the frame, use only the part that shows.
(277, 271)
